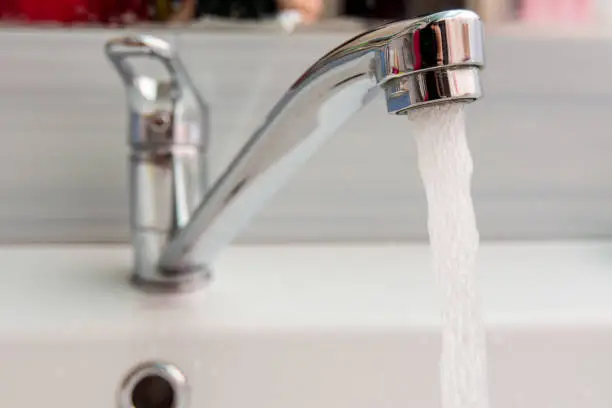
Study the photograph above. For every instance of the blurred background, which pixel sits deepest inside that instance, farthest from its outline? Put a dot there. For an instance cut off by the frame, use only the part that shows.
(124, 12)
(540, 137)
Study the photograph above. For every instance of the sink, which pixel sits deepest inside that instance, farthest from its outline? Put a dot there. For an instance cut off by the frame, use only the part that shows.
(335, 326)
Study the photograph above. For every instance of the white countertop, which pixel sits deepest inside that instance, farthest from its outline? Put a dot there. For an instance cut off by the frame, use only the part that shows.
(61, 289)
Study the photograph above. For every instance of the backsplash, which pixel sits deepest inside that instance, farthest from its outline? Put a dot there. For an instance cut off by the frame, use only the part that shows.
(540, 139)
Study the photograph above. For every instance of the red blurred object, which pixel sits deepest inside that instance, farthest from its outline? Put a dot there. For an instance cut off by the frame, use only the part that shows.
(73, 11)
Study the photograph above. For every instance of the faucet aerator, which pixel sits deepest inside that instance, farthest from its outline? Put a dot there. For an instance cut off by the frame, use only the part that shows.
(432, 87)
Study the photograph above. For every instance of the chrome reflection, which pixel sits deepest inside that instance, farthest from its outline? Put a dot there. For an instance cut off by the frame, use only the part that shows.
(417, 62)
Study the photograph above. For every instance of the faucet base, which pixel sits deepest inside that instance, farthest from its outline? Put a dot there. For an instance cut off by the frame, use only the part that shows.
(180, 284)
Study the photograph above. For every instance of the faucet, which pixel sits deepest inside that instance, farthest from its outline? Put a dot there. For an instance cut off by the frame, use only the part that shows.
(180, 221)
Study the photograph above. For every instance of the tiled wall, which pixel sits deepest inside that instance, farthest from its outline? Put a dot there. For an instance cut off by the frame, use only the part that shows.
(541, 140)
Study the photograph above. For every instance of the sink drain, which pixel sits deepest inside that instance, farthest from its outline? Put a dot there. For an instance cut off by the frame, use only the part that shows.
(154, 385)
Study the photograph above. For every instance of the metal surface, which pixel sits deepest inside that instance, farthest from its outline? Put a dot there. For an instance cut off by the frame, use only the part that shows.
(418, 62)
(151, 393)
(168, 140)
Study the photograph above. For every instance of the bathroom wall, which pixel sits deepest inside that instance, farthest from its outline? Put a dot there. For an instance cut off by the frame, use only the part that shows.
(541, 140)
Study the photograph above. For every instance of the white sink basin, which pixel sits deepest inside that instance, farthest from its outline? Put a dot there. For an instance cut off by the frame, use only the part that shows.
(304, 326)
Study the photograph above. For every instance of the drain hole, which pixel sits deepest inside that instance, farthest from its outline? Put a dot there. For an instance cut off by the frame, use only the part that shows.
(154, 384)
(153, 391)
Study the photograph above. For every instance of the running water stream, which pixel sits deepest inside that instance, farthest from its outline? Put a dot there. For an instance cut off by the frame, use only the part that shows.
(445, 164)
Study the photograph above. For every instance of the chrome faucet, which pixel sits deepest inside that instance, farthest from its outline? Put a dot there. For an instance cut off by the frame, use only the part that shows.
(179, 223)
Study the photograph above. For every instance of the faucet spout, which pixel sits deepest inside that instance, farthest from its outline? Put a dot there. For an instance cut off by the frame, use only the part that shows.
(416, 63)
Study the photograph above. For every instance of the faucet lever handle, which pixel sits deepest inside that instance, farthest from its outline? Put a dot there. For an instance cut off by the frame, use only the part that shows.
(120, 49)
